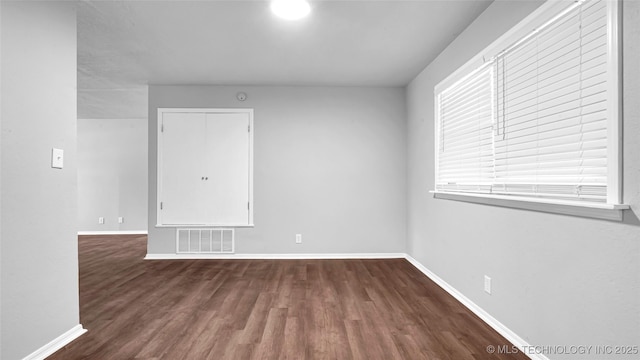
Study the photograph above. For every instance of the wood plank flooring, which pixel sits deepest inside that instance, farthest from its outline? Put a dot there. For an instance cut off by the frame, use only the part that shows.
(265, 309)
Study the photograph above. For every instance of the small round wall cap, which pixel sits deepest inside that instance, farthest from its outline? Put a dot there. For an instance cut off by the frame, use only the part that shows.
(241, 96)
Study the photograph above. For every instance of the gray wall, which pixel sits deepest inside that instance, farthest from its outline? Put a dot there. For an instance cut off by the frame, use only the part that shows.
(557, 280)
(329, 163)
(112, 174)
(1, 151)
(38, 237)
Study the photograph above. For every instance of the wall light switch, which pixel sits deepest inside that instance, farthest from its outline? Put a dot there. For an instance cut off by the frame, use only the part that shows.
(57, 158)
(120, 220)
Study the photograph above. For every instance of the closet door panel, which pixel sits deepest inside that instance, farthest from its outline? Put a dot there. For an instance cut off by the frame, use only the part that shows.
(183, 184)
(227, 166)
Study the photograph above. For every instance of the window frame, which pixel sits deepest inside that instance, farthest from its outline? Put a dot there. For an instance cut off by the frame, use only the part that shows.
(613, 208)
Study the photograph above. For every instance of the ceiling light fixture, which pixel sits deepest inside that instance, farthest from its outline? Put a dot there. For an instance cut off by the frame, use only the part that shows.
(290, 9)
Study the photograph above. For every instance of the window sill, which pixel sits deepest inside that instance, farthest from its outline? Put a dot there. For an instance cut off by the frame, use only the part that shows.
(590, 210)
(204, 225)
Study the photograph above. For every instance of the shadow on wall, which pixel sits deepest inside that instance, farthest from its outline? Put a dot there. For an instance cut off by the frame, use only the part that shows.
(630, 218)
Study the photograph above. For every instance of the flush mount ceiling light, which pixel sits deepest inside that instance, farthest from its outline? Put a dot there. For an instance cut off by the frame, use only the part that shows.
(290, 9)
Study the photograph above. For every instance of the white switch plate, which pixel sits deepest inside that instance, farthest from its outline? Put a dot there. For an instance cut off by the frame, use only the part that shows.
(487, 284)
(57, 158)
(120, 220)
(298, 238)
(100, 220)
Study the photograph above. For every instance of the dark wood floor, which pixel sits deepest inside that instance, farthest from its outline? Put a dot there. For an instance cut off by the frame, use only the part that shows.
(271, 309)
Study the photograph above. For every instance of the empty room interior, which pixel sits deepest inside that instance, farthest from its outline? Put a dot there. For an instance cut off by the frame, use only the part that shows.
(437, 179)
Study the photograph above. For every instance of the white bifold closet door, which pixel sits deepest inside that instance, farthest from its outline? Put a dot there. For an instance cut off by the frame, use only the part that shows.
(205, 168)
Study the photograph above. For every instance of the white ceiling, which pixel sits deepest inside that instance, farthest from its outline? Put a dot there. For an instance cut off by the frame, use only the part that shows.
(125, 45)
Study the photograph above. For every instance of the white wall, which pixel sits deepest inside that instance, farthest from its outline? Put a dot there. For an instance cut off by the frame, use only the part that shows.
(329, 163)
(38, 236)
(557, 280)
(112, 174)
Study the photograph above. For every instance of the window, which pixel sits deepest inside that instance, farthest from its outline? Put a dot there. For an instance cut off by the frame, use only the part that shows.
(534, 118)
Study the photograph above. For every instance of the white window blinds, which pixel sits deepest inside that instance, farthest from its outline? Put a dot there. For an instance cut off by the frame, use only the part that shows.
(466, 140)
(533, 120)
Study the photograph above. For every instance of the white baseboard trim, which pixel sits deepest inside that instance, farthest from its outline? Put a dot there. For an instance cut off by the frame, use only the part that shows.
(117, 232)
(483, 315)
(57, 343)
(276, 256)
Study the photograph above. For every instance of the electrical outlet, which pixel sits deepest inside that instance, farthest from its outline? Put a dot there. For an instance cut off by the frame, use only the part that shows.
(298, 238)
(120, 220)
(487, 284)
(100, 220)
